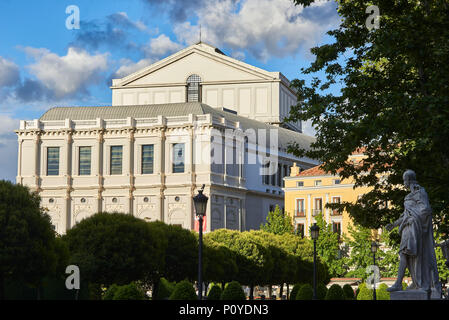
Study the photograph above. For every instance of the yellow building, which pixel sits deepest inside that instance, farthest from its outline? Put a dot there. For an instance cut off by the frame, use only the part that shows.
(307, 193)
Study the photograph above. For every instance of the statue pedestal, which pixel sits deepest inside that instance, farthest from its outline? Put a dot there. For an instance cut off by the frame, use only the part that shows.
(413, 295)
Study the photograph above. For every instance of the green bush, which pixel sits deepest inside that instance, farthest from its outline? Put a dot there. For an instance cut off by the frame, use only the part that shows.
(294, 291)
(184, 291)
(214, 293)
(128, 292)
(164, 290)
(335, 292)
(321, 291)
(109, 294)
(382, 293)
(349, 292)
(305, 292)
(233, 291)
(364, 293)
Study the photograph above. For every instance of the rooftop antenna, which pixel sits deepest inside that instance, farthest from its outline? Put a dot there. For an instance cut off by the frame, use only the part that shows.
(200, 33)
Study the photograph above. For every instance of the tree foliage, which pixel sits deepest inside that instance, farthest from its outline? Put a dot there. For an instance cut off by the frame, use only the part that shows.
(385, 90)
(29, 250)
(278, 222)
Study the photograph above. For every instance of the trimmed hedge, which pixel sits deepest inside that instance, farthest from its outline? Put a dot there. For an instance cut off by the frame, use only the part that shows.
(183, 291)
(127, 292)
(165, 289)
(349, 292)
(321, 291)
(335, 292)
(382, 293)
(214, 293)
(233, 291)
(305, 292)
(294, 291)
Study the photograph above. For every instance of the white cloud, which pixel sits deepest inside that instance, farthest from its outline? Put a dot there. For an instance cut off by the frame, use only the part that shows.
(161, 46)
(128, 67)
(265, 28)
(8, 147)
(9, 73)
(66, 75)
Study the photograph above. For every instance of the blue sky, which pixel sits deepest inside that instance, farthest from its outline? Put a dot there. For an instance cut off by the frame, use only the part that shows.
(44, 64)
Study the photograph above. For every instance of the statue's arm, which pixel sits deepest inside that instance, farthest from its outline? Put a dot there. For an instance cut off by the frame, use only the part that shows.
(393, 225)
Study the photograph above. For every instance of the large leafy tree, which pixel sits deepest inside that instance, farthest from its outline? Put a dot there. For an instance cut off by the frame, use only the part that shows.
(393, 103)
(29, 250)
(115, 248)
(277, 222)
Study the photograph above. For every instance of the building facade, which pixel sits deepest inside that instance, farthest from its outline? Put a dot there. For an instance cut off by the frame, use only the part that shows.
(195, 118)
(308, 191)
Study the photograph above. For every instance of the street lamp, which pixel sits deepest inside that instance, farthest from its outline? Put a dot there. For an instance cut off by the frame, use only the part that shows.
(314, 233)
(200, 203)
(374, 247)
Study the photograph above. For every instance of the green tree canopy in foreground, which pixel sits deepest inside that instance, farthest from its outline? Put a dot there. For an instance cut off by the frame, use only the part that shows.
(277, 222)
(29, 250)
(393, 102)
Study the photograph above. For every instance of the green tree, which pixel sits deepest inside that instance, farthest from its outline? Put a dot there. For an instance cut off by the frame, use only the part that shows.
(278, 222)
(28, 247)
(184, 291)
(385, 90)
(305, 292)
(214, 293)
(335, 292)
(233, 291)
(128, 292)
(328, 248)
(115, 248)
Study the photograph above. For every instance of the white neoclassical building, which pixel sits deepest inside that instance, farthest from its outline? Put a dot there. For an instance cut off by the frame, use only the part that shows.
(197, 117)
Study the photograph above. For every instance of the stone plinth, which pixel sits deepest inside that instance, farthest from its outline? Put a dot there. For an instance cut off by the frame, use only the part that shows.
(413, 295)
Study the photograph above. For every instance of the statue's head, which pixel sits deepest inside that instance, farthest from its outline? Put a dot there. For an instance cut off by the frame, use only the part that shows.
(409, 177)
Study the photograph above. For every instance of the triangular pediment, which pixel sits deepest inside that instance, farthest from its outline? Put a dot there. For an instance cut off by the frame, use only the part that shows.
(206, 61)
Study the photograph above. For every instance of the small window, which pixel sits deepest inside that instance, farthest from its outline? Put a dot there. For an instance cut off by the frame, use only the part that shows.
(51, 200)
(337, 181)
(83, 200)
(300, 184)
(193, 88)
(178, 157)
(53, 161)
(147, 159)
(114, 200)
(116, 159)
(146, 199)
(85, 161)
(317, 183)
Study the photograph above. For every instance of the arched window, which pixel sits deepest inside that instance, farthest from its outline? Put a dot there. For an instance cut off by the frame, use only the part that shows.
(193, 88)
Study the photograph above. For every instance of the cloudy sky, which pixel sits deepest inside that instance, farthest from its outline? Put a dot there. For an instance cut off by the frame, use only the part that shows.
(45, 64)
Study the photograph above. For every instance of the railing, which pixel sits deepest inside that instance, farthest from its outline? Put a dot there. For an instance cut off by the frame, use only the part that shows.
(300, 213)
(316, 212)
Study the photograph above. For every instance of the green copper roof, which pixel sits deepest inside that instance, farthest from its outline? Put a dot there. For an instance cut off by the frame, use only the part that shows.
(286, 136)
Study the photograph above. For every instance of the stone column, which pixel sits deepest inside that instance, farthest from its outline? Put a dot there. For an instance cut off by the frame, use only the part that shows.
(99, 167)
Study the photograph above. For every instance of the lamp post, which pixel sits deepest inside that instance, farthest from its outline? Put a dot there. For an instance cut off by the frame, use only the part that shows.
(200, 203)
(374, 247)
(314, 233)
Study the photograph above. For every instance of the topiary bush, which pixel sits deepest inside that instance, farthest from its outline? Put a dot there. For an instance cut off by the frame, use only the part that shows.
(294, 291)
(109, 294)
(214, 293)
(183, 291)
(364, 293)
(164, 290)
(233, 291)
(128, 292)
(335, 292)
(382, 293)
(305, 292)
(321, 291)
(349, 292)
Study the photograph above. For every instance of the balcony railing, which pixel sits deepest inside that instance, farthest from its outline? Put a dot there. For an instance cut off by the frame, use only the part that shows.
(335, 212)
(316, 212)
(300, 213)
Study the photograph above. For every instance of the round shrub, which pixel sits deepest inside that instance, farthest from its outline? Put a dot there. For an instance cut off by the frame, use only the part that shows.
(183, 291)
(365, 293)
(321, 291)
(349, 292)
(335, 292)
(165, 289)
(233, 291)
(305, 292)
(294, 291)
(382, 293)
(129, 292)
(214, 293)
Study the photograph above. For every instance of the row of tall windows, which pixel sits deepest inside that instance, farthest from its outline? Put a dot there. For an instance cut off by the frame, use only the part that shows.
(116, 160)
(277, 178)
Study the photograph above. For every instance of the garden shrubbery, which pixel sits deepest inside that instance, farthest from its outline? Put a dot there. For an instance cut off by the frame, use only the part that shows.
(233, 291)
(335, 292)
(305, 292)
(183, 291)
(214, 293)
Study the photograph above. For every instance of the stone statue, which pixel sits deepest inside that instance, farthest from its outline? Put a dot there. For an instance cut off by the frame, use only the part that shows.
(416, 251)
